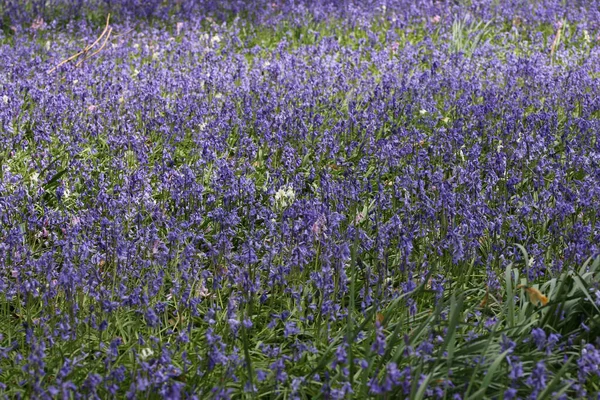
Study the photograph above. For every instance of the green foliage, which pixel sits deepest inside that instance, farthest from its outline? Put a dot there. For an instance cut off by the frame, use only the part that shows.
(467, 35)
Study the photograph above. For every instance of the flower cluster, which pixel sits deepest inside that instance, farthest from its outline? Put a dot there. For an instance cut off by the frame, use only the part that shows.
(285, 197)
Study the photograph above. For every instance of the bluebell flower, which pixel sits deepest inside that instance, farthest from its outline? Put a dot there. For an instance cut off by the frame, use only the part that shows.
(539, 337)
(537, 379)
(510, 394)
(290, 329)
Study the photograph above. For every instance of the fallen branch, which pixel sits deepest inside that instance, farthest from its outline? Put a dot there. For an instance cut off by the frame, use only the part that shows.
(97, 51)
(107, 29)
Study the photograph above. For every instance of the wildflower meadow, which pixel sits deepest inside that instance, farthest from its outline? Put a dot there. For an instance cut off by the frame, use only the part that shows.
(300, 199)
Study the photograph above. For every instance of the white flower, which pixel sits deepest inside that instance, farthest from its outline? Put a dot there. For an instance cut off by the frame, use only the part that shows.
(202, 291)
(500, 146)
(145, 353)
(285, 197)
(5, 99)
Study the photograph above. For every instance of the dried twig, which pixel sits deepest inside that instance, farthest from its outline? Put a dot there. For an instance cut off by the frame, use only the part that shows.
(556, 41)
(97, 51)
(124, 33)
(107, 29)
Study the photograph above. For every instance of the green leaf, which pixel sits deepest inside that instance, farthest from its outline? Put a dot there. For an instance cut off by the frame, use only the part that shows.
(54, 180)
(489, 376)
(582, 285)
(510, 301)
(449, 343)
(421, 392)
(547, 392)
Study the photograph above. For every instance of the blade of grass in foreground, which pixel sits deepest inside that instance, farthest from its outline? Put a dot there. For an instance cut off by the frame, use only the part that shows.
(490, 340)
(449, 344)
(510, 298)
(325, 359)
(489, 376)
(547, 392)
(421, 392)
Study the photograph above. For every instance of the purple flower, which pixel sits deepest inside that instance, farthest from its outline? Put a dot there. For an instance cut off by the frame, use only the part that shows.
(588, 363)
(507, 344)
(247, 323)
(234, 325)
(261, 375)
(151, 317)
(516, 369)
(553, 339)
(539, 337)
(256, 192)
(537, 379)
(279, 369)
(341, 356)
(510, 394)
(379, 345)
(290, 329)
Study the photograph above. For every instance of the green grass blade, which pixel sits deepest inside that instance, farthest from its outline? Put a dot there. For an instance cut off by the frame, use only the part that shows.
(421, 391)
(510, 298)
(547, 392)
(449, 342)
(489, 376)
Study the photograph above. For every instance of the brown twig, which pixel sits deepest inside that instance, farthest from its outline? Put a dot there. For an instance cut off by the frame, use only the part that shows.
(97, 51)
(124, 33)
(107, 28)
(556, 40)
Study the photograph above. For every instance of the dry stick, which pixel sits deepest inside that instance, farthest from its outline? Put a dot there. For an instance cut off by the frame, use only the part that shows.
(84, 51)
(97, 51)
(556, 41)
(124, 33)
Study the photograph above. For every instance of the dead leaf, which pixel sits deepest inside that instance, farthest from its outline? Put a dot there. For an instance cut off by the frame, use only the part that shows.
(486, 298)
(535, 296)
